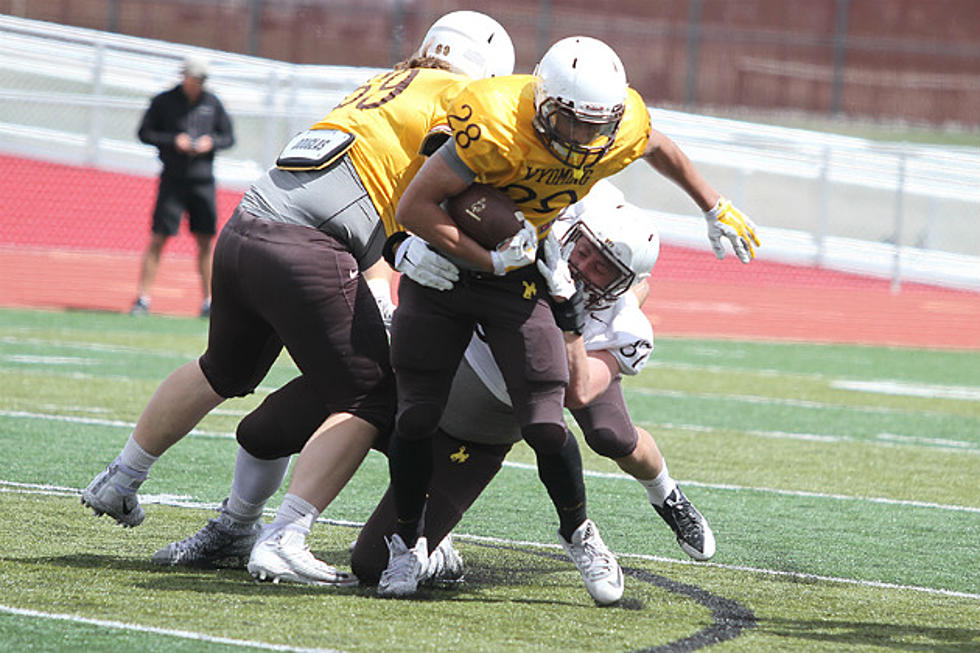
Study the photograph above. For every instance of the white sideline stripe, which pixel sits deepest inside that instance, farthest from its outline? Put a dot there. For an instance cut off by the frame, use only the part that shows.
(95, 347)
(884, 439)
(805, 576)
(780, 401)
(792, 493)
(95, 421)
(169, 500)
(517, 465)
(928, 390)
(183, 634)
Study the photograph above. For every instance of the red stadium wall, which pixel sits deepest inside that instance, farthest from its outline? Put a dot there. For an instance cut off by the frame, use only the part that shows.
(71, 237)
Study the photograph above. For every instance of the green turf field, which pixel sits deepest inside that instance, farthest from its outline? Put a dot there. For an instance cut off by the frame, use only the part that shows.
(842, 483)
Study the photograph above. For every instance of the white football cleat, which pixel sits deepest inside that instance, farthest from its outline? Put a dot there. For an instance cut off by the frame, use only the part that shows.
(601, 572)
(445, 564)
(281, 554)
(406, 568)
(113, 492)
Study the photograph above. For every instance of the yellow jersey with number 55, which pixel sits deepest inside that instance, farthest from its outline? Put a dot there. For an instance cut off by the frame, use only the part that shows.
(492, 127)
(391, 114)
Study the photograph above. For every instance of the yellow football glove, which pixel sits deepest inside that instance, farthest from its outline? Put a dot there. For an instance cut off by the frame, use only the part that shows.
(725, 220)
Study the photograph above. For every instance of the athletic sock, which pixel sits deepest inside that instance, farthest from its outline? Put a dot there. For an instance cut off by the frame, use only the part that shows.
(296, 512)
(254, 483)
(659, 488)
(135, 457)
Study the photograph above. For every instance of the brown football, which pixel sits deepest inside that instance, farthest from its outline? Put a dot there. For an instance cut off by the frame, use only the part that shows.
(485, 214)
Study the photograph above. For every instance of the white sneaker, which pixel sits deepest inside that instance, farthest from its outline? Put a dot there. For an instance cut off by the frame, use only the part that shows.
(445, 564)
(113, 493)
(601, 572)
(406, 567)
(223, 540)
(282, 554)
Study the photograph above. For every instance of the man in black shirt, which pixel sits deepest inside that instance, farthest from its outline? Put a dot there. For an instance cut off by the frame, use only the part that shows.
(187, 124)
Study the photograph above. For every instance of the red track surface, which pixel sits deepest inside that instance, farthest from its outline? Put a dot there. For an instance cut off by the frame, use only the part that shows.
(71, 237)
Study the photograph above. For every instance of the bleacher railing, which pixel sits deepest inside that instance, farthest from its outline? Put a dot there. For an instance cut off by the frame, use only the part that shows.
(890, 210)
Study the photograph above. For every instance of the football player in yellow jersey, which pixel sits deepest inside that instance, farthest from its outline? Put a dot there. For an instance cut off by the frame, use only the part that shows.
(544, 139)
(287, 274)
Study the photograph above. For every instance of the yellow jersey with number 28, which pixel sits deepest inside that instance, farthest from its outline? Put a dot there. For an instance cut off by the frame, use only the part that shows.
(492, 127)
(391, 114)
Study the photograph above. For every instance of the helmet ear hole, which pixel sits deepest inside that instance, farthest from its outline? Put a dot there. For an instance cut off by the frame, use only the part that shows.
(471, 43)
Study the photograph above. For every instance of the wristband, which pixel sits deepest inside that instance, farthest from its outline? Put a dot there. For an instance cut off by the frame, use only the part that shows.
(391, 246)
(570, 314)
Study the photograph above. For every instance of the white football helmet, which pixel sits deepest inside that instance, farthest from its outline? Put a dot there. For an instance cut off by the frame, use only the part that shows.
(472, 43)
(579, 81)
(609, 249)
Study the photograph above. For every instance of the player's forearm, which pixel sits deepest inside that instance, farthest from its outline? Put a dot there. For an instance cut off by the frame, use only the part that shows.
(433, 225)
(670, 161)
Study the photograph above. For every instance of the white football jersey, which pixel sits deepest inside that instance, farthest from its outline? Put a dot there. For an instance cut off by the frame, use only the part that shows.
(622, 330)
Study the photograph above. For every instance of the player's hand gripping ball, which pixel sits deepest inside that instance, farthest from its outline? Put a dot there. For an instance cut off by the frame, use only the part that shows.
(485, 214)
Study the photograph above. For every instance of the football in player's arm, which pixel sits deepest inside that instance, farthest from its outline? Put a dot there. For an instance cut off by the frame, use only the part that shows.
(611, 247)
(545, 140)
(287, 274)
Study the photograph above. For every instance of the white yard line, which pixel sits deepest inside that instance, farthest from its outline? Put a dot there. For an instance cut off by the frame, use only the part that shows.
(779, 401)
(94, 421)
(183, 634)
(883, 439)
(928, 390)
(769, 490)
(182, 502)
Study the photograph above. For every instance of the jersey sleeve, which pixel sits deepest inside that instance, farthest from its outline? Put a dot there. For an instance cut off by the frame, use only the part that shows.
(479, 135)
(624, 331)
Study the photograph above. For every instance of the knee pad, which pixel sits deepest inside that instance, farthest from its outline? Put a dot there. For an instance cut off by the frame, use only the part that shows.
(545, 439)
(418, 421)
(607, 442)
(264, 433)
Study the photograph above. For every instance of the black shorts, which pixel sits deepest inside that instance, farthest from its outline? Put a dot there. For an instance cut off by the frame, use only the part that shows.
(276, 285)
(177, 196)
(460, 472)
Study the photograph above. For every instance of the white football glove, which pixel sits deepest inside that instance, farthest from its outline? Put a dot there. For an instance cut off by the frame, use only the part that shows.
(415, 259)
(520, 250)
(554, 269)
(725, 220)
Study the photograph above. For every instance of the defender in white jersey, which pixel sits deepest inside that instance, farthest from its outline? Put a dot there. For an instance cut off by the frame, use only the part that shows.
(611, 247)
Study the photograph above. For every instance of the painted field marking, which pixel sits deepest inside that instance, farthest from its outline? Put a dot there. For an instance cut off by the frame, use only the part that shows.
(882, 439)
(93, 421)
(96, 347)
(900, 388)
(33, 488)
(182, 634)
(769, 490)
(780, 401)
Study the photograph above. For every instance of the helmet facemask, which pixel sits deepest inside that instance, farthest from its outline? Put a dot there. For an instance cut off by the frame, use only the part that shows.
(604, 274)
(577, 138)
